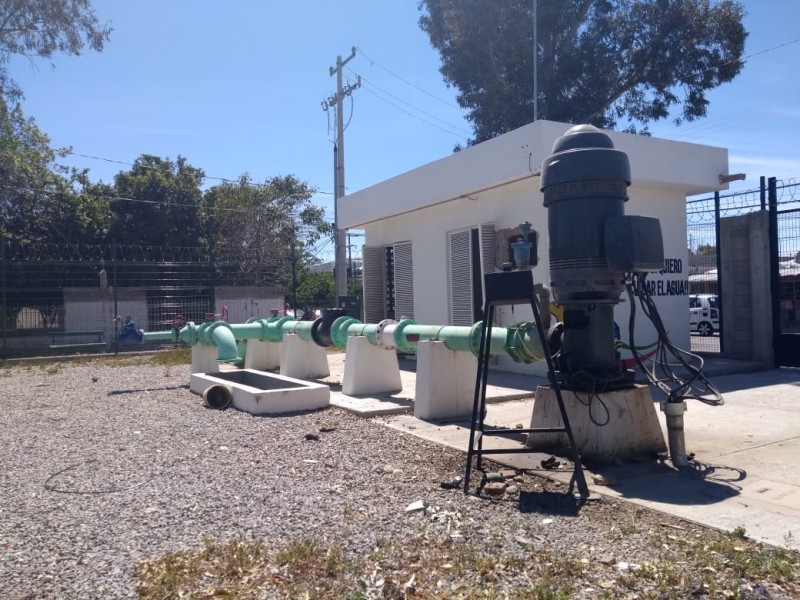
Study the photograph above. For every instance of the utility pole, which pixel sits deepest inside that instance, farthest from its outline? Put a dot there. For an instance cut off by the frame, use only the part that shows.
(338, 175)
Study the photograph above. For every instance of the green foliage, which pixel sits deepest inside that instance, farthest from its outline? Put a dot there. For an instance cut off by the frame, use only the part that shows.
(38, 198)
(315, 290)
(44, 28)
(610, 63)
(165, 206)
(260, 227)
(706, 250)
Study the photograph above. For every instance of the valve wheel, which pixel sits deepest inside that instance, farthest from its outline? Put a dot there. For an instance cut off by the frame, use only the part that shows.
(178, 321)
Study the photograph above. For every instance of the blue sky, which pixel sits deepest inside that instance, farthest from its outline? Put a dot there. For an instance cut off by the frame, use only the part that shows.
(237, 87)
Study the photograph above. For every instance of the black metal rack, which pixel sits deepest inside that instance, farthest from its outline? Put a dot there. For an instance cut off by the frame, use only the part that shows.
(504, 289)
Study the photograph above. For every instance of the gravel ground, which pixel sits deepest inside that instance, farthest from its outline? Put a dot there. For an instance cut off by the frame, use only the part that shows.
(102, 467)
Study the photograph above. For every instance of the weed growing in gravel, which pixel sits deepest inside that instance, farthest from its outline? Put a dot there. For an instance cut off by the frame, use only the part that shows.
(739, 532)
(428, 566)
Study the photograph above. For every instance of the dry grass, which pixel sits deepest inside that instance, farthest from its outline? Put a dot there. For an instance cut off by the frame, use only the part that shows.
(427, 567)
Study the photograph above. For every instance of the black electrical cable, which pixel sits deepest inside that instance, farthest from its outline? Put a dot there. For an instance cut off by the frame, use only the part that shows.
(676, 387)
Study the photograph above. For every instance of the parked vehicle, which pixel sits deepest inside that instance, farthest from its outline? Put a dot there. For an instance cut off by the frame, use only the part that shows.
(704, 313)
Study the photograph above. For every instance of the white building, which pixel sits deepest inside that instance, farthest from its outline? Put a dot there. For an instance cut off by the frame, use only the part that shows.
(431, 232)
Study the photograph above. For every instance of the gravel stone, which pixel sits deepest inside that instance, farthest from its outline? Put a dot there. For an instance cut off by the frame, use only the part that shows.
(102, 467)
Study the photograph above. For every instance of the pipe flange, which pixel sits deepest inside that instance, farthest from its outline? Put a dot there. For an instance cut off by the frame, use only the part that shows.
(475, 333)
(189, 334)
(400, 341)
(340, 328)
(379, 332)
(274, 329)
(515, 343)
(315, 333)
(673, 409)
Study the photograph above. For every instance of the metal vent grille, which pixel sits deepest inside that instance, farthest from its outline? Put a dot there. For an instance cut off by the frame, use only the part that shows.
(558, 264)
(374, 265)
(403, 281)
(587, 187)
(460, 280)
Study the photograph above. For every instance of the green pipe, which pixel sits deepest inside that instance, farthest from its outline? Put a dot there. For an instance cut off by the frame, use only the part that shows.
(520, 341)
(159, 336)
(219, 334)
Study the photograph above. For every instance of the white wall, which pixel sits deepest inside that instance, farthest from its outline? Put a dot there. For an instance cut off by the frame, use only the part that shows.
(246, 302)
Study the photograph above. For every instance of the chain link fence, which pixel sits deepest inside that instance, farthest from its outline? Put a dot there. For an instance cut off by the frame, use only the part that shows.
(67, 298)
(702, 218)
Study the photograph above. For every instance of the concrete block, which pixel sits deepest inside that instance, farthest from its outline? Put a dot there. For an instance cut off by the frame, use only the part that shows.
(204, 359)
(303, 359)
(261, 393)
(369, 369)
(263, 356)
(445, 382)
(632, 428)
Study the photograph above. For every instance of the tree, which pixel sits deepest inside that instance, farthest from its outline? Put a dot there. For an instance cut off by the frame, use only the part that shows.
(39, 200)
(43, 28)
(159, 202)
(314, 290)
(611, 63)
(264, 227)
(706, 250)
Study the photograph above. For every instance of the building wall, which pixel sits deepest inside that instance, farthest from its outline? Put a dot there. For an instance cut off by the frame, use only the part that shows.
(246, 302)
(506, 207)
(746, 294)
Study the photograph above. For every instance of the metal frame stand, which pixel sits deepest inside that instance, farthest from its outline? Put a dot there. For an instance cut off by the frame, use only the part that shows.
(504, 289)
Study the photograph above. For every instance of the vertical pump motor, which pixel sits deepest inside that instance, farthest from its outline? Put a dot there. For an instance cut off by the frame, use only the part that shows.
(592, 245)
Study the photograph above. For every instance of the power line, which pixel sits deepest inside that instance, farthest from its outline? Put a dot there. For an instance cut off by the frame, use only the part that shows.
(406, 81)
(143, 166)
(411, 106)
(409, 113)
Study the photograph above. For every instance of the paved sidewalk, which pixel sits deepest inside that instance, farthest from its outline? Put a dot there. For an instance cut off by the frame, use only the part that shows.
(747, 452)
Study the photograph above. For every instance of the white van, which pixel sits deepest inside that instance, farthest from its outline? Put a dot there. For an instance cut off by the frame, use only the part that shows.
(704, 313)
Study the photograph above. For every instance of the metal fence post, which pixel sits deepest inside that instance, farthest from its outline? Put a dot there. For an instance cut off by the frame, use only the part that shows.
(114, 277)
(762, 186)
(3, 314)
(774, 268)
(718, 242)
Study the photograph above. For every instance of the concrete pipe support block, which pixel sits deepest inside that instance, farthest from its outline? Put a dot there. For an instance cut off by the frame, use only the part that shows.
(204, 359)
(445, 382)
(263, 356)
(369, 369)
(633, 429)
(303, 359)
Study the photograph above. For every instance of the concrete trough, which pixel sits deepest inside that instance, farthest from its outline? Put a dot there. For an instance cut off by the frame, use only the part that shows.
(260, 393)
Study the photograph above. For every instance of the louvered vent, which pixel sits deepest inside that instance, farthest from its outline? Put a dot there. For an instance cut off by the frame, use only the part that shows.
(374, 264)
(403, 281)
(460, 282)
